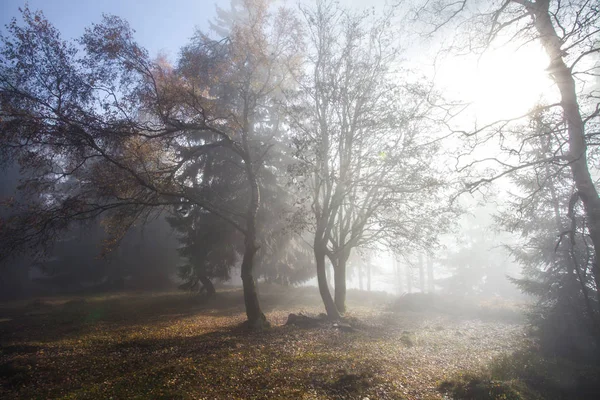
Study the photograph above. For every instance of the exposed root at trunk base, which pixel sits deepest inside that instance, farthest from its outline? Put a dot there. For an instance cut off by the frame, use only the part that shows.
(257, 324)
(304, 321)
(321, 321)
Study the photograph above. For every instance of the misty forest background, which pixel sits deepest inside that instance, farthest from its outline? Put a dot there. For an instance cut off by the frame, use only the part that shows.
(309, 154)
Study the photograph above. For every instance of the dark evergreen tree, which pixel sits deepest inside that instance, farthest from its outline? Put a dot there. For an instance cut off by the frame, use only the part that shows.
(212, 247)
(209, 246)
(556, 253)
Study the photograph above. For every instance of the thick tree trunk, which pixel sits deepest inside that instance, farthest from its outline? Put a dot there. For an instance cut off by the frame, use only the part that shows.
(256, 318)
(330, 308)
(563, 77)
(339, 273)
(328, 274)
(208, 285)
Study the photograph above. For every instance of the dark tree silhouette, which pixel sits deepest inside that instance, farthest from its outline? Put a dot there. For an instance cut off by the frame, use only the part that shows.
(129, 130)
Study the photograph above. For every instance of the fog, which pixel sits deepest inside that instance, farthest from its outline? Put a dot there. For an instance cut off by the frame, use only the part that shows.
(259, 199)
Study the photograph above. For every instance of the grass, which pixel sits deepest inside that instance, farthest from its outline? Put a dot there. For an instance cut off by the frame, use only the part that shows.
(525, 375)
(172, 345)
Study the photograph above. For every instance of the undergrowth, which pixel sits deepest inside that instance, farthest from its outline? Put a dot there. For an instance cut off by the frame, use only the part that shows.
(525, 375)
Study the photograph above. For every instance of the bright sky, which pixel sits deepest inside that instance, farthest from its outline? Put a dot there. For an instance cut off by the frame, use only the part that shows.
(161, 26)
(503, 83)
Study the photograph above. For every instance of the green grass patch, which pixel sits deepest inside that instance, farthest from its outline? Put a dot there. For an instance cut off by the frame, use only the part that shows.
(525, 375)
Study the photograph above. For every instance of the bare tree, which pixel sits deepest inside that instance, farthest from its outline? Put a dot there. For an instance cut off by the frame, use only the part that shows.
(362, 141)
(569, 34)
(551, 152)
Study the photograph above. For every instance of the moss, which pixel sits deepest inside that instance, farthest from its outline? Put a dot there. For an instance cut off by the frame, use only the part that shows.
(408, 339)
(479, 387)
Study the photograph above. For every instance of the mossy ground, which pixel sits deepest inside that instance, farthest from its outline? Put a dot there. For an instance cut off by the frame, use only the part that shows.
(174, 345)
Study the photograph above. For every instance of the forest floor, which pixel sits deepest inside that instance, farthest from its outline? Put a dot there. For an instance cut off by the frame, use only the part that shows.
(175, 345)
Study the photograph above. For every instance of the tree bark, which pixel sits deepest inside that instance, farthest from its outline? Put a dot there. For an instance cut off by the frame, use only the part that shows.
(328, 275)
(208, 285)
(256, 318)
(339, 274)
(563, 77)
(330, 307)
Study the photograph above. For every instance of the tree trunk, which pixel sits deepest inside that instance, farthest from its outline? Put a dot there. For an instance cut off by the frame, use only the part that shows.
(328, 275)
(399, 280)
(256, 318)
(360, 276)
(430, 279)
(408, 271)
(208, 285)
(339, 273)
(330, 307)
(368, 276)
(563, 77)
(421, 274)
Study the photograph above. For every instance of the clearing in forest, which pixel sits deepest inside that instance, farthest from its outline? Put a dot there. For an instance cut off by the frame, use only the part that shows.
(175, 345)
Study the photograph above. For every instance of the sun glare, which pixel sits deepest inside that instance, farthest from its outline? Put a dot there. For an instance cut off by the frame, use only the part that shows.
(503, 83)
